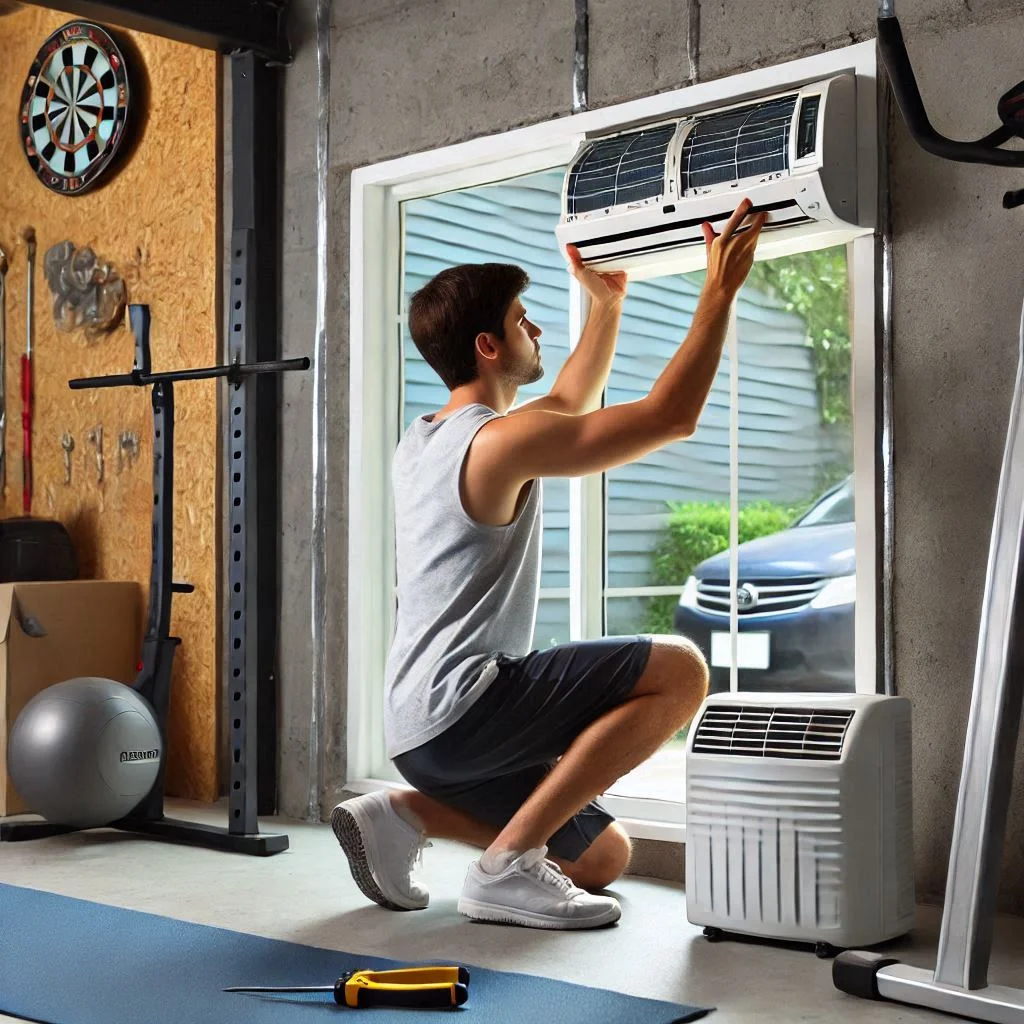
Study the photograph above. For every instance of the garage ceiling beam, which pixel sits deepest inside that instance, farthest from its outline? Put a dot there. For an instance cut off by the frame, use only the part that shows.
(223, 25)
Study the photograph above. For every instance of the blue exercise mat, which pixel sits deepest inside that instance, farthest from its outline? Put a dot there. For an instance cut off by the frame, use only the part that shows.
(69, 961)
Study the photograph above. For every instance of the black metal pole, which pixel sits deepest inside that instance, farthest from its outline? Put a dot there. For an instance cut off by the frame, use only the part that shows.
(253, 424)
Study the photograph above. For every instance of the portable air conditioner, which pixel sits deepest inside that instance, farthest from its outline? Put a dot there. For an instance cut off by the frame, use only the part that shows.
(798, 818)
(636, 200)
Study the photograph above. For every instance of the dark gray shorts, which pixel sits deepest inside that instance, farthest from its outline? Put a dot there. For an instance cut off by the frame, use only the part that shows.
(493, 758)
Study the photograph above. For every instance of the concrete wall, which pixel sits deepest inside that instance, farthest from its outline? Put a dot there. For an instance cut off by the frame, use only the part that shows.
(409, 75)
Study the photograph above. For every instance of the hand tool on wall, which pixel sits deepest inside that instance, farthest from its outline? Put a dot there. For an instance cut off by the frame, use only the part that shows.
(95, 437)
(29, 234)
(67, 442)
(420, 987)
(127, 448)
(3, 369)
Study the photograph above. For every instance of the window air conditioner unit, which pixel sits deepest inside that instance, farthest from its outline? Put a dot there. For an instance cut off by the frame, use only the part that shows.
(636, 200)
(798, 818)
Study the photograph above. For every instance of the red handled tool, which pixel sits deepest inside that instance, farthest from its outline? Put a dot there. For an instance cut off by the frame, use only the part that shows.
(26, 429)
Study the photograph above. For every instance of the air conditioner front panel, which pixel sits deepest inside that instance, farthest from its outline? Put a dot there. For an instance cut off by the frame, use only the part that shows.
(668, 238)
(621, 171)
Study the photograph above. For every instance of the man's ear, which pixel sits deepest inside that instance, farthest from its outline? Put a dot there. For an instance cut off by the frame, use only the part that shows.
(487, 345)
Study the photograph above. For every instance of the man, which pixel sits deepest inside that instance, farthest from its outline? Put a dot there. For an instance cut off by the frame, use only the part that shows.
(507, 748)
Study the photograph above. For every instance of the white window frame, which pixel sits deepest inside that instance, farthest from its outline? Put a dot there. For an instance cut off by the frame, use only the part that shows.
(377, 193)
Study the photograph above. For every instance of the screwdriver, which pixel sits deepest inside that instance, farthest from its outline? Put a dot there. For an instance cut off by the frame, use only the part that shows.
(419, 987)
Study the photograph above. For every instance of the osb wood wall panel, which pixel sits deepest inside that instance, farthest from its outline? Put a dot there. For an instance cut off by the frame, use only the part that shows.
(157, 219)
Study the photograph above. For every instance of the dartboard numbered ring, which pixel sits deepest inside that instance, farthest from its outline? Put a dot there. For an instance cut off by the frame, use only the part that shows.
(74, 107)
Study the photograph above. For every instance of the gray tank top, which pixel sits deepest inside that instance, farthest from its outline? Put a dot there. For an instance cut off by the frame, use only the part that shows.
(466, 591)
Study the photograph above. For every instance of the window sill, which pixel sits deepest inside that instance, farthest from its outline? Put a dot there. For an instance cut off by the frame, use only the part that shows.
(662, 831)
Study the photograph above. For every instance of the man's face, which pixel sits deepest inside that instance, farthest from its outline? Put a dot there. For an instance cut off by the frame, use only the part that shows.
(521, 362)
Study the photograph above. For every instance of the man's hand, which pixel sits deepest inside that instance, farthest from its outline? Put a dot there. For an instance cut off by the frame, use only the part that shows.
(731, 255)
(603, 287)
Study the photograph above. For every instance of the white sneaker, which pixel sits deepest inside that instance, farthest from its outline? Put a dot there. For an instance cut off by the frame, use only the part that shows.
(382, 848)
(533, 892)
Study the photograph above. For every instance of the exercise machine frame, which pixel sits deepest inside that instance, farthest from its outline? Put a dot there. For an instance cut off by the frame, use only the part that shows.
(155, 666)
(959, 983)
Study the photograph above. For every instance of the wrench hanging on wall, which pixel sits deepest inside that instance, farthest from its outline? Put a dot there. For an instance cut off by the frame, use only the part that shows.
(95, 438)
(127, 448)
(67, 442)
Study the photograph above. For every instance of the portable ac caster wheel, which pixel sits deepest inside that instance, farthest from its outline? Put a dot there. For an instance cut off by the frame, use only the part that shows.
(714, 934)
(854, 972)
(825, 950)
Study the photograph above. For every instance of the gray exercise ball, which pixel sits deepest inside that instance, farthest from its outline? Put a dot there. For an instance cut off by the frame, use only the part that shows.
(84, 752)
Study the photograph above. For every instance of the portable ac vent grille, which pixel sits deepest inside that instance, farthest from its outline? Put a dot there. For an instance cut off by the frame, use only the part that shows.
(738, 144)
(809, 734)
(625, 169)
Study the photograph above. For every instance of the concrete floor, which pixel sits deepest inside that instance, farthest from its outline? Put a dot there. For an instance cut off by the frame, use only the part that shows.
(307, 895)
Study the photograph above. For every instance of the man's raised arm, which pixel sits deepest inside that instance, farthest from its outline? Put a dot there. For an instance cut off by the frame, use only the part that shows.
(581, 381)
(537, 442)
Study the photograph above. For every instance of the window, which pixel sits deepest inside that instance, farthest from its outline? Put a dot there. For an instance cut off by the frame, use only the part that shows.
(771, 473)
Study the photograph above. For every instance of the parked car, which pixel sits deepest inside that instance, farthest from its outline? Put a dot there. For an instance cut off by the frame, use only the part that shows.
(796, 599)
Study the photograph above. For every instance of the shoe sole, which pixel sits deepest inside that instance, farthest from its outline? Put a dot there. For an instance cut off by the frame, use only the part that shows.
(498, 914)
(346, 830)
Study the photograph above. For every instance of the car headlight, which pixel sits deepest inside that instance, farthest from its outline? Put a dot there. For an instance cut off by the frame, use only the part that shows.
(841, 590)
(688, 598)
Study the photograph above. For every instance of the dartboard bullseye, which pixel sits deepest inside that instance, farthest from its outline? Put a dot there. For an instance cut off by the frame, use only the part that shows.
(74, 107)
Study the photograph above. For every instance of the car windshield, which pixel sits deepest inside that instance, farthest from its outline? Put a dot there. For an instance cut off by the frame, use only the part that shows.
(835, 507)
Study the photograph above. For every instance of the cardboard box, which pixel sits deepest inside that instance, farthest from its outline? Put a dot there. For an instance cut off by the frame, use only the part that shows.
(50, 632)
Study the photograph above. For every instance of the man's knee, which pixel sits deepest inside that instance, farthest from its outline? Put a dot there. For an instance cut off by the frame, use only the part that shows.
(678, 671)
(603, 861)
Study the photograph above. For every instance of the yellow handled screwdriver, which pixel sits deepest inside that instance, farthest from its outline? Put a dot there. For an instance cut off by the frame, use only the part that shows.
(414, 987)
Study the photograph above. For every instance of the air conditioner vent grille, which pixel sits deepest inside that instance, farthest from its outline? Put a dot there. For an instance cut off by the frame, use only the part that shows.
(806, 734)
(748, 142)
(627, 168)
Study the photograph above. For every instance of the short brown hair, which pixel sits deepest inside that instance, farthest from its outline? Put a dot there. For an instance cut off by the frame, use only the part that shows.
(452, 308)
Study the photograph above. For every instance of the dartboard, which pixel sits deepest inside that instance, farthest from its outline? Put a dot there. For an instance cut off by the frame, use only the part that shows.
(74, 107)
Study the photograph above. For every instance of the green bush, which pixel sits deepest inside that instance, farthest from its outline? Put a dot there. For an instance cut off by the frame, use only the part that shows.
(698, 530)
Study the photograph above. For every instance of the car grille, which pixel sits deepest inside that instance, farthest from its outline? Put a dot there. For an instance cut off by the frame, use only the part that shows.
(773, 596)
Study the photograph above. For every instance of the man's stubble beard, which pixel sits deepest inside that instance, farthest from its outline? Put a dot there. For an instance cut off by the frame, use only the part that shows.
(527, 376)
